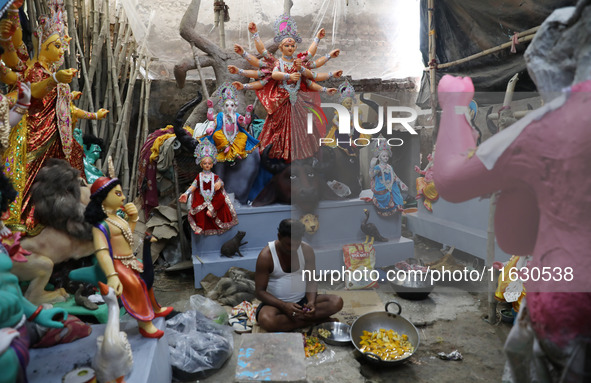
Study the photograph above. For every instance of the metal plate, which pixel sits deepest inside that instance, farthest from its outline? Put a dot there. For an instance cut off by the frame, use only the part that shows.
(340, 333)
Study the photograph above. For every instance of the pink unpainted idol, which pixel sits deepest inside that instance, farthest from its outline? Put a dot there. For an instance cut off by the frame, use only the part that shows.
(540, 165)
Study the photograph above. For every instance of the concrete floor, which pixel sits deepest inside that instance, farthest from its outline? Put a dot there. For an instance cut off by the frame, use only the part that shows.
(451, 318)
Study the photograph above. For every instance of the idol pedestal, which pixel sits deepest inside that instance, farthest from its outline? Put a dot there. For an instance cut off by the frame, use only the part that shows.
(339, 224)
(150, 356)
(463, 225)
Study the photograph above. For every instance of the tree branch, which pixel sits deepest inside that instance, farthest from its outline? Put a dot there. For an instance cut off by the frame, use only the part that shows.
(186, 64)
(187, 31)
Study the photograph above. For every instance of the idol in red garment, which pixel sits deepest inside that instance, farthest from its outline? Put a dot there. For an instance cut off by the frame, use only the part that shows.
(210, 209)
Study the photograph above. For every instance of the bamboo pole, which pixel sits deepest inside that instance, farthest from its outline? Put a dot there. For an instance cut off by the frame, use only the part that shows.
(118, 105)
(122, 55)
(432, 64)
(95, 61)
(490, 234)
(108, 124)
(196, 58)
(138, 135)
(97, 40)
(120, 138)
(86, 84)
(125, 161)
(117, 98)
(125, 75)
(117, 25)
(105, 93)
(145, 128)
(530, 31)
(71, 57)
(88, 29)
(90, 15)
(120, 45)
(185, 248)
(490, 258)
(144, 117)
(114, 77)
(86, 46)
(523, 39)
(99, 77)
(97, 47)
(80, 23)
(123, 126)
(222, 29)
(40, 7)
(32, 14)
(83, 30)
(123, 60)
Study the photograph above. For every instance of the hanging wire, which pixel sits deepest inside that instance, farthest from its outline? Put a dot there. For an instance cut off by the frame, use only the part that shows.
(240, 22)
(249, 17)
(319, 17)
(334, 21)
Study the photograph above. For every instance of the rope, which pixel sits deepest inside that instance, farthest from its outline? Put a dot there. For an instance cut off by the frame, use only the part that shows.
(318, 18)
(514, 42)
(219, 6)
(334, 22)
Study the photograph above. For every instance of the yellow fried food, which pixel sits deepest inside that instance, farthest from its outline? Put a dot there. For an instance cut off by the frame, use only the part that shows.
(324, 332)
(387, 344)
(312, 346)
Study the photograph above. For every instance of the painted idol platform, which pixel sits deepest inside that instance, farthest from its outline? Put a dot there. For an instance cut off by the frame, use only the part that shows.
(463, 225)
(150, 356)
(338, 224)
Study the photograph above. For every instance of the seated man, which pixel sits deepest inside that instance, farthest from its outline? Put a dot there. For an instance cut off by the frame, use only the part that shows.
(288, 301)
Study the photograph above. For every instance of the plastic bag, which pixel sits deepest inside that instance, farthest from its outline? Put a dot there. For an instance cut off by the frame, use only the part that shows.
(326, 356)
(201, 127)
(211, 309)
(360, 259)
(197, 344)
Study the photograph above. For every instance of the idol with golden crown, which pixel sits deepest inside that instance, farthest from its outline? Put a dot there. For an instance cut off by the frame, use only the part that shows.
(288, 89)
(46, 130)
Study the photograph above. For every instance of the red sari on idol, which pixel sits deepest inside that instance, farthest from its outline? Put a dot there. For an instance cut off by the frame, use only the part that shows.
(223, 215)
(48, 135)
(288, 105)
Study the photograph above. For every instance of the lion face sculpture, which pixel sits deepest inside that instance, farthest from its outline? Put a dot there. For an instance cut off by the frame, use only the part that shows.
(311, 223)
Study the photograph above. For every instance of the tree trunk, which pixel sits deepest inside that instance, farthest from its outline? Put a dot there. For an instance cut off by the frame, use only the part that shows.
(287, 4)
(215, 57)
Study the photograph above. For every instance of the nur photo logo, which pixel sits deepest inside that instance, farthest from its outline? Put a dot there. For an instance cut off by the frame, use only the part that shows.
(344, 124)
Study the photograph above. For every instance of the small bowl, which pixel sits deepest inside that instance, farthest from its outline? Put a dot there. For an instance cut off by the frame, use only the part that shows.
(340, 333)
(415, 286)
(507, 315)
